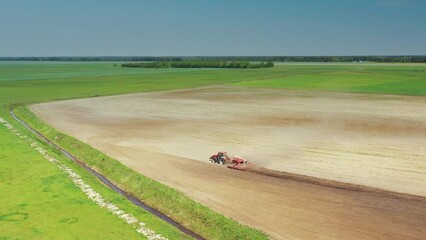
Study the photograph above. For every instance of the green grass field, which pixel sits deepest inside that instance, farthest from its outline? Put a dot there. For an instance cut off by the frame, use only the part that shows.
(349, 78)
(39, 201)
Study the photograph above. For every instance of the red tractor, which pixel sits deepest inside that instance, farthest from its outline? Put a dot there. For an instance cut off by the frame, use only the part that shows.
(222, 158)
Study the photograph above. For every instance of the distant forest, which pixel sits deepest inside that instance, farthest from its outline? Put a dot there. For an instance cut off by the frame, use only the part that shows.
(199, 64)
(382, 59)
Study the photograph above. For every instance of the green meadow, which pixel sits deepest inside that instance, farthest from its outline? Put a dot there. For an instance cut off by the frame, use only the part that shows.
(38, 201)
(349, 78)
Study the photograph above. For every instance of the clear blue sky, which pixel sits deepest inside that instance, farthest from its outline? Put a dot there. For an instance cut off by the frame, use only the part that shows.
(212, 27)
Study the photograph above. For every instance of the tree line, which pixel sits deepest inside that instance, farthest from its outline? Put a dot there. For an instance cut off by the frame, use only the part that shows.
(377, 59)
(91, 59)
(199, 64)
(380, 59)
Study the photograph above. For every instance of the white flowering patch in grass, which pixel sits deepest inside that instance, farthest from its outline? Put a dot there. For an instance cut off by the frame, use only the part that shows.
(89, 191)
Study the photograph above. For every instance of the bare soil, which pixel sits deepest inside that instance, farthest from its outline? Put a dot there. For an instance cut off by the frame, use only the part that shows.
(328, 165)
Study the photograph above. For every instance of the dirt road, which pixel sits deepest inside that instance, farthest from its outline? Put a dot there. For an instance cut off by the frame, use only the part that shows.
(370, 140)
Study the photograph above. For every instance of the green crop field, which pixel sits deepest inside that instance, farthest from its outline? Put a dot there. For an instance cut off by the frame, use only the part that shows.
(11, 71)
(39, 201)
(354, 78)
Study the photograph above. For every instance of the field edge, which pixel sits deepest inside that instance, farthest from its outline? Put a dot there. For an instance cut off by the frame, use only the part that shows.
(165, 199)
